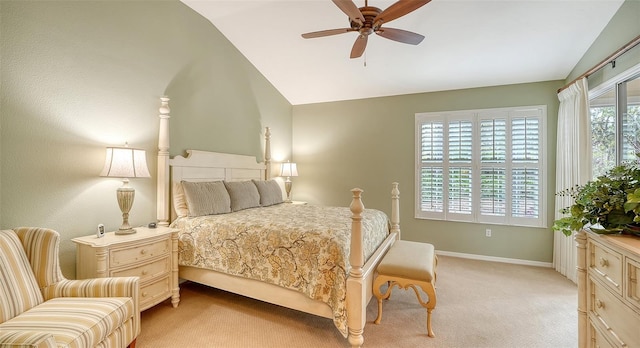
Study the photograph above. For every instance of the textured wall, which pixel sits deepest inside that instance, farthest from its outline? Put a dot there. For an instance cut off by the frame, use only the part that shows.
(80, 76)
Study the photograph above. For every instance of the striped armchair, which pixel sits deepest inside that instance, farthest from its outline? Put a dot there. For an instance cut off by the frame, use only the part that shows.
(40, 308)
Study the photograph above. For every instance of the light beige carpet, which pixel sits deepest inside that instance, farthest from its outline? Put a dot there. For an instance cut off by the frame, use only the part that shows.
(479, 304)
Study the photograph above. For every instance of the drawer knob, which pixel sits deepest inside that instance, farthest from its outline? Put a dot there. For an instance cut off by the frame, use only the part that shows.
(599, 303)
(143, 251)
(145, 272)
(604, 262)
(144, 294)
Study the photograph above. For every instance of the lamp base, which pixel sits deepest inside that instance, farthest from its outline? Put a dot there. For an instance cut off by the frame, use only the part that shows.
(125, 195)
(287, 188)
(125, 231)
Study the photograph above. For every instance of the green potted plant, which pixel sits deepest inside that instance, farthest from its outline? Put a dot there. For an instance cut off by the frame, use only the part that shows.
(608, 204)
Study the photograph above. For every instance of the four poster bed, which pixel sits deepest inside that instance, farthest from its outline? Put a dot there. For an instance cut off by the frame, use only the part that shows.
(319, 260)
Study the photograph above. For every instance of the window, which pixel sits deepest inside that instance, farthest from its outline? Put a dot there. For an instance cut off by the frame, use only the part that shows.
(615, 123)
(481, 166)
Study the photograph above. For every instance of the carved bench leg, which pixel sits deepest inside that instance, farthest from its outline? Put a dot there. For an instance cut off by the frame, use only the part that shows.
(381, 296)
(429, 289)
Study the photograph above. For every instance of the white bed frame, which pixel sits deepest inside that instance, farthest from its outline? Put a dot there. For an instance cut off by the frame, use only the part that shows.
(209, 166)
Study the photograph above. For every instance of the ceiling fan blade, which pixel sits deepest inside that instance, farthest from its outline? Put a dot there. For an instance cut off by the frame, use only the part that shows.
(400, 35)
(350, 9)
(398, 9)
(329, 32)
(359, 46)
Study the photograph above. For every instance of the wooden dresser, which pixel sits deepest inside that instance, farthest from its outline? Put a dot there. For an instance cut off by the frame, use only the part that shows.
(608, 290)
(150, 253)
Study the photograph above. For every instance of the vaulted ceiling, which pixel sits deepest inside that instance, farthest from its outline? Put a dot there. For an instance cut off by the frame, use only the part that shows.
(468, 43)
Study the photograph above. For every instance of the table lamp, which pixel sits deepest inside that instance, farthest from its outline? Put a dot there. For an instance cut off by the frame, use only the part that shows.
(125, 163)
(288, 169)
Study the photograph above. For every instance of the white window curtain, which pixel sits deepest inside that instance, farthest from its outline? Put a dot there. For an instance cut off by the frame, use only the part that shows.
(573, 165)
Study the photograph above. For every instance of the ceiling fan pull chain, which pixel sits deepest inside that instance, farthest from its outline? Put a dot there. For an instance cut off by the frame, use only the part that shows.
(365, 59)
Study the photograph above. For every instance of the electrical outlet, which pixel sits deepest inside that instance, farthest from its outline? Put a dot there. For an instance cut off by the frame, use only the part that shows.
(487, 232)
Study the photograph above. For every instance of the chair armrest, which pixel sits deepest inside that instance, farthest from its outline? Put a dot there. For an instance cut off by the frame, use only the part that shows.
(95, 287)
(26, 339)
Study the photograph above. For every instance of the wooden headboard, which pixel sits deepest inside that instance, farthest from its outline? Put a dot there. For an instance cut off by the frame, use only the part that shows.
(209, 166)
(200, 166)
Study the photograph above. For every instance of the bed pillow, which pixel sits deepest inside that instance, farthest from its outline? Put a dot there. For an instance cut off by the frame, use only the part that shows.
(243, 194)
(179, 200)
(270, 192)
(206, 198)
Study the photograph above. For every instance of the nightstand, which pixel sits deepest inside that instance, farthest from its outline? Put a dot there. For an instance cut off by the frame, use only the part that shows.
(150, 253)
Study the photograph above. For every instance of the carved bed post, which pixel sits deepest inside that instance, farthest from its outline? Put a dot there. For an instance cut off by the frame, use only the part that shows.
(581, 239)
(356, 299)
(267, 153)
(395, 209)
(163, 164)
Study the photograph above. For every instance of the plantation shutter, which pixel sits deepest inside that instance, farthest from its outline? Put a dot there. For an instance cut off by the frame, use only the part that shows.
(525, 172)
(431, 171)
(493, 156)
(460, 139)
(481, 166)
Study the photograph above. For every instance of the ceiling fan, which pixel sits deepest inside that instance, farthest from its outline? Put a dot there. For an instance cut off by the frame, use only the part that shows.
(368, 19)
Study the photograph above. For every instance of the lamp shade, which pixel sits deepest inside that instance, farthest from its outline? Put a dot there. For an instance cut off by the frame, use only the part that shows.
(288, 169)
(125, 162)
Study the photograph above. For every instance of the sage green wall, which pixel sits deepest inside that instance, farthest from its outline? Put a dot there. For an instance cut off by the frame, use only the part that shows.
(622, 28)
(369, 143)
(79, 76)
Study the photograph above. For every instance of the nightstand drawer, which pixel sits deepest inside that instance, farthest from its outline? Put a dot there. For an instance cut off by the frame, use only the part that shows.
(606, 265)
(617, 321)
(152, 292)
(146, 271)
(136, 253)
(150, 253)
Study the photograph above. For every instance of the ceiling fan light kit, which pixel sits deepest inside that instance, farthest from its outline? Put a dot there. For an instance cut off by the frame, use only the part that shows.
(368, 20)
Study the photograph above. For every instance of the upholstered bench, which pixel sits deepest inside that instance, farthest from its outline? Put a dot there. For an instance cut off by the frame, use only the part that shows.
(408, 264)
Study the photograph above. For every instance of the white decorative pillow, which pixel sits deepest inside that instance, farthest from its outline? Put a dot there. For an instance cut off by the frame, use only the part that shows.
(179, 200)
(243, 194)
(270, 192)
(206, 198)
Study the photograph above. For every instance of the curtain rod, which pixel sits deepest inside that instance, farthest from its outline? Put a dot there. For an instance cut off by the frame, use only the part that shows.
(622, 50)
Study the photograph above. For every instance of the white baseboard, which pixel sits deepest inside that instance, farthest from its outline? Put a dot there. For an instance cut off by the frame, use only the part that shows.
(495, 259)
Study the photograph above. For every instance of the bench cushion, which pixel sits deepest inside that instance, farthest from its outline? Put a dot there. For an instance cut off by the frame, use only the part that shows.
(407, 259)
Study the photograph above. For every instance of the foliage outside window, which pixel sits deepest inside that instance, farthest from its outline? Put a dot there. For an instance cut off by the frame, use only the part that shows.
(482, 166)
(615, 125)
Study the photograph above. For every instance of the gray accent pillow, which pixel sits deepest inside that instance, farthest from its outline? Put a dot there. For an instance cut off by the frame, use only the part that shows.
(206, 198)
(270, 192)
(243, 194)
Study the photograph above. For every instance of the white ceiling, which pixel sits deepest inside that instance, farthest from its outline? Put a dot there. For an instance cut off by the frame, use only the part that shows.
(469, 43)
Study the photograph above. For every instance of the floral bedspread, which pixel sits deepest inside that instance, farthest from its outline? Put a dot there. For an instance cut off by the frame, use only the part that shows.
(299, 247)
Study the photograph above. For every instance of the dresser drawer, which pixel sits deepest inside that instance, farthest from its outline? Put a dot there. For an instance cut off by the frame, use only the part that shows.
(138, 252)
(633, 290)
(151, 293)
(617, 321)
(598, 340)
(606, 265)
(147, 270)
